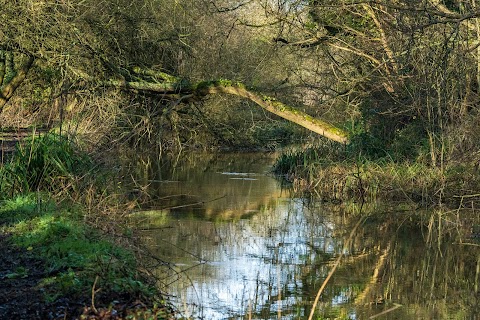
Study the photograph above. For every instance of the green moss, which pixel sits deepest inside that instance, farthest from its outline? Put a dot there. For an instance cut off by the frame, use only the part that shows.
(230, 83)
(286, 108)
(272, 101)
(225, 83)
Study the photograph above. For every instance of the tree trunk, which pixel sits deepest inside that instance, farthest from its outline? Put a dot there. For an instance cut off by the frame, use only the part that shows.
(8, 88)
(201, 89)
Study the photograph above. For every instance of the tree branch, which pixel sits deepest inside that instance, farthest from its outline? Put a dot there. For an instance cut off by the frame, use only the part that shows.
(303, 43)
(2, 67)
(276, 107)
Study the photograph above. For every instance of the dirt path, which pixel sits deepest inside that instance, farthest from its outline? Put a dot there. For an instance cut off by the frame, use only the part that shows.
(22, 296)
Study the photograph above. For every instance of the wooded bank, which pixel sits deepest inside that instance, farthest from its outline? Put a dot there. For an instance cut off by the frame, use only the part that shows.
(403, 79)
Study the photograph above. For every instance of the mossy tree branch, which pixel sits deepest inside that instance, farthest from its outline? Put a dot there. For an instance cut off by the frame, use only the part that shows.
(276, 107)
(174, 86)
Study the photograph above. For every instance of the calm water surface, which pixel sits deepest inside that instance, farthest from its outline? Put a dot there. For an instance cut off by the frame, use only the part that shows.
(239, 246)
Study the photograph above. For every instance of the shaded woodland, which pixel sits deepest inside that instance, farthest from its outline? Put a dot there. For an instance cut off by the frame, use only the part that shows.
(402, 79)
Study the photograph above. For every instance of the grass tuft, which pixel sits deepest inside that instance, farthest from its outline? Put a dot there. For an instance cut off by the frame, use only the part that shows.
(47, 163)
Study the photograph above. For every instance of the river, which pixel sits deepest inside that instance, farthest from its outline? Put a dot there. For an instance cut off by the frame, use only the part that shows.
(234, 243)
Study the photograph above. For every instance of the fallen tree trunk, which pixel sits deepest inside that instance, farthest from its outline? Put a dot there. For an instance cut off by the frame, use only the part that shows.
(201, 89)
(276, 107)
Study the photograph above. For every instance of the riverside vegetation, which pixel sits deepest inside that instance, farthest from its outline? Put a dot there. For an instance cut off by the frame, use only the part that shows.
(61, 247)
(398, 82)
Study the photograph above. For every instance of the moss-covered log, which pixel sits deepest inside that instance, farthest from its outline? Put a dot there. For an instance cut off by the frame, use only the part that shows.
(274, 106)
(202, 89)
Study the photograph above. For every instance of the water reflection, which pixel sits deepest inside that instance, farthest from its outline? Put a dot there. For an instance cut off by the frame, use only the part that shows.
(210, 186)
(241, 248)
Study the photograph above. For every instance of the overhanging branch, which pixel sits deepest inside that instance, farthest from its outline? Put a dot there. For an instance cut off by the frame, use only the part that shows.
(201, 89)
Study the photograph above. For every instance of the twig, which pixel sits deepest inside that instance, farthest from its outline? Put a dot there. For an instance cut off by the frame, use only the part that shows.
(468, 196)
(192, 204)
(347, 244)
(467, 244)
(93, 294)
(396, 306)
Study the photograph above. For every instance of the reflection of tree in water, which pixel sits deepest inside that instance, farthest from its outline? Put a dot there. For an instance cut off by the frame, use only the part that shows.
(195, 184)
(390, 268)
(434, 279)
(430, 280)
(288, 248)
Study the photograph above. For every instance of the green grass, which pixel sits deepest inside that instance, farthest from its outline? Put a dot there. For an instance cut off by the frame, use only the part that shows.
(74, 253)
(21, 208)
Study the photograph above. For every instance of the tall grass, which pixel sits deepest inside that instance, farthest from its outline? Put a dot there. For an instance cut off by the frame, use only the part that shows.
(50, 163)
(340, 175)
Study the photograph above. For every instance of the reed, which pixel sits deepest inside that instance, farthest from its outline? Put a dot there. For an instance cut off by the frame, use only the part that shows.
(48, 163)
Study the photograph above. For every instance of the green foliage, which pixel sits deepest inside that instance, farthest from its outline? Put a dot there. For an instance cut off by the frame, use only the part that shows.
(393, 138)
(44, 163)
(368, 146)
(22, 207)
(295, 161)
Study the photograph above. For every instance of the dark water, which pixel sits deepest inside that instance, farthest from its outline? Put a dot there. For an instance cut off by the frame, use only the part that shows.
(239, 246)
